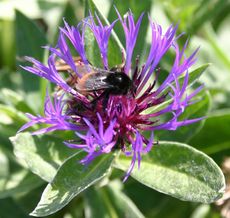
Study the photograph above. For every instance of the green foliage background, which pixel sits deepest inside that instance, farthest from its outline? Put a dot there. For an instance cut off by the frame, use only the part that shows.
(27, 164)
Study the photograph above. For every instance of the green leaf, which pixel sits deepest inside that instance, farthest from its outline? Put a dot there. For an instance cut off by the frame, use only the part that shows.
(43, 155)
(7, 42)
(204, 14)
(5, 119)
(137, 9)
(109, 201)
(182, 11)
(95, 204)
(10, 115)
(92, 50)
(177, 10)
(29, 39)
(184, 133)
(214, 136)
(156, 206)
(178, 170)
(28, 201)
(9, 209)
(202, 211)
(221, 20)
(213, 41)
(217, 76)
(4, 163)
(71, 179)
(122, 203)
(69, 14)
(19, 182)
(9, 79)
(193, 76)
(13, 99)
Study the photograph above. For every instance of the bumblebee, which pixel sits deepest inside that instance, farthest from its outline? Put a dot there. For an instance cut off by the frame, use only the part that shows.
(111, 82)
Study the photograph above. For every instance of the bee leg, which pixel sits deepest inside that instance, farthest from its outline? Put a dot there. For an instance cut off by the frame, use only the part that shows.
(94, 103)
(105, 100)
(98, 98)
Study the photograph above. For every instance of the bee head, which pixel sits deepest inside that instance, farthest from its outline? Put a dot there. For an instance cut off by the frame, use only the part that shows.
(120, 83)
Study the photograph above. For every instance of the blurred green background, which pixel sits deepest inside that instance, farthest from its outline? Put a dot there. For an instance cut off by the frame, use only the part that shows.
(26, 25)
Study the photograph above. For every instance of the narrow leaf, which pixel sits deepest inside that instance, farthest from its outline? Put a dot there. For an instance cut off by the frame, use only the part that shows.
(137, 9)
(199, 109)
(214, 136)
(109, 201)
(12, 116)
(123, 204)
(193, 76)
(4, 163)
(29, 39)
(115, 46)
(9, 208)
(19, 182)
(15, 100)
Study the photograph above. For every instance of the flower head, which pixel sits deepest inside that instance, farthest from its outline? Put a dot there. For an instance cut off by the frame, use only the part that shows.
(104, 118)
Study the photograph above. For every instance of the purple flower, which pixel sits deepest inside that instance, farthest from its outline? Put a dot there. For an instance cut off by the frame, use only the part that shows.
(102, 34)
(106, 122)
(131, 31)
(97, 141)
(48, 72)
(53, 116)
(76, 38)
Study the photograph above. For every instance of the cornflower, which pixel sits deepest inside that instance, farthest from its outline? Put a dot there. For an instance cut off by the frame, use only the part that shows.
(104, 123)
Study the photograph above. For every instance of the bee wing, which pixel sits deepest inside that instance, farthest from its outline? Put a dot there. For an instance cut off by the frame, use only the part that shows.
(61, 66)
(93, 81)
(82, 69)
(92, 78)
